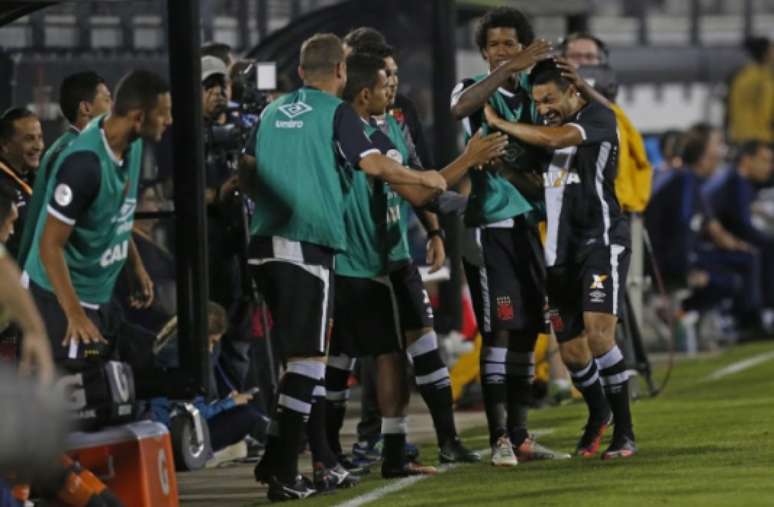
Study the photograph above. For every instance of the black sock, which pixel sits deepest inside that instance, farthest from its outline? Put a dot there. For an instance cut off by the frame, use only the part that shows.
(316, 432)
(294, 404)
(586, 380)
(494, 390)
(394, 432)
(434, 384)
(519, 370)
(615, 379)
(337, 393)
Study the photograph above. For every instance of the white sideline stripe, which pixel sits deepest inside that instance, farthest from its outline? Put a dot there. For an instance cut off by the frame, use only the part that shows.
(739, 366)
(399, 485)
(402, 484)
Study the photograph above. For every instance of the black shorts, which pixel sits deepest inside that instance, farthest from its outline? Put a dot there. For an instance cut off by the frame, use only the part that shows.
(300, 299)
(106, 318)
(507, 289)
(414, 306)
(595, 283)
(365, 317)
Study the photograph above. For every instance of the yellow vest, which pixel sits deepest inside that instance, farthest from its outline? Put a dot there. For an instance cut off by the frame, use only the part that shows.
(751, 104)
(635, 174)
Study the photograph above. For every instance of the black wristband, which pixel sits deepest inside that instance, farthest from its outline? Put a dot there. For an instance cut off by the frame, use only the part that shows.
(436, 232)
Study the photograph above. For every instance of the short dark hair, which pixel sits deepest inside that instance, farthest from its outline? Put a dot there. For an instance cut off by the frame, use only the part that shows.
(750, 149)
(546, 71)
(380, 50)
(7, 120)
(139, 89)
(217, 319)
(219, 50)
(320, 53)
(505, 17)
(362, 72)
(695, 141)
(364, 36)
(757, 47)
(76, 88)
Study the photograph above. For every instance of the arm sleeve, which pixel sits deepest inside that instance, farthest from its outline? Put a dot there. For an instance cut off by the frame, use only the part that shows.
(382, 143)
(349, 136)
(596, 124)
(75, 187)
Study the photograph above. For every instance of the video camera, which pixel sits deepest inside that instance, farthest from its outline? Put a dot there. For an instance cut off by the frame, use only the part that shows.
(250, 94)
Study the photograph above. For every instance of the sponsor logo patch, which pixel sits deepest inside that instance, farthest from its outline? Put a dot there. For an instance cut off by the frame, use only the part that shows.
(599, 281)
(504, 308)
(63, 195)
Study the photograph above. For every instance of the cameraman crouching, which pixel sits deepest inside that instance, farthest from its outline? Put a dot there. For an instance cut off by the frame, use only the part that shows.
(226, 230)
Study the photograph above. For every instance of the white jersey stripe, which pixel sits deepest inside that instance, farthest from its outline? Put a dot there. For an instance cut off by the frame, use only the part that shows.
(604, 153)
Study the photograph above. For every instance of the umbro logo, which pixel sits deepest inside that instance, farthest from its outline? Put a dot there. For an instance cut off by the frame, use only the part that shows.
(295, 109)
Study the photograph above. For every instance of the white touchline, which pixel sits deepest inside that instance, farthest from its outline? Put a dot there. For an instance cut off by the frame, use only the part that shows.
(379, 493)
(739, 366)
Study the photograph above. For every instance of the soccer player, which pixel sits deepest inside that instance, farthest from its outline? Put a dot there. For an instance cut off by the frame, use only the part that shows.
(413, 302)
(507, 280)
(82, 97)
(83, 237)
(586, 250)
(298, 168)
(380, 294)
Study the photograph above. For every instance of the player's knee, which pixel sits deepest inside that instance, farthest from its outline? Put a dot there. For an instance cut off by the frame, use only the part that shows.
(575, 353)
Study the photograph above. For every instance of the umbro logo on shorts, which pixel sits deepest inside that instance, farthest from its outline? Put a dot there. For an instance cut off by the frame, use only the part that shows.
(598, 282)
(295, 109)
(597, 296)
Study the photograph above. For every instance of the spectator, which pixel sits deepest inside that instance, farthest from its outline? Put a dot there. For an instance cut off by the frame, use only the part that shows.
(231, 418)
(226, 222)
(82, 97)
(21, 145)
(691, 246)
(730, 194)
(751, 95)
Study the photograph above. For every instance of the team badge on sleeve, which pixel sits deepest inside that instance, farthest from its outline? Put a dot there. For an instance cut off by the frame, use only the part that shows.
(63, 195)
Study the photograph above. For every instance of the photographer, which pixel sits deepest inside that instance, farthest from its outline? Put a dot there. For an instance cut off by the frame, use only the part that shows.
(226, 217)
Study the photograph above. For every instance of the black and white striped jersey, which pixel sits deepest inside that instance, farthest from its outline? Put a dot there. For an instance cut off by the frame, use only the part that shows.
(581, 206)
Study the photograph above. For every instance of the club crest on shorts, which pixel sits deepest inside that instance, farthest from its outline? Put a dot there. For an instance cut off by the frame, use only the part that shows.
(598, 282)
(556, 320)
(504, 308)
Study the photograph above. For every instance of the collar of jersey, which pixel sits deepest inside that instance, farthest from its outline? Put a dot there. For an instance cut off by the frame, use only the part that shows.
(108, 149)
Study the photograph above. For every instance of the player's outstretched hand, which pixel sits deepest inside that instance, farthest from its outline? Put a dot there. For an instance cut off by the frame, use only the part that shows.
(482, 149)
(540, 49)
(433, 180)
(81, 329)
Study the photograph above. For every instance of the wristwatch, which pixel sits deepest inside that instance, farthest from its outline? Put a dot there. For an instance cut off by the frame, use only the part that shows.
(436, 232)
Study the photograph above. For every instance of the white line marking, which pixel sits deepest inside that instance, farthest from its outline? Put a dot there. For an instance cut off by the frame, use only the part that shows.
(399, 485)
(404, 483)
(739, 366)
